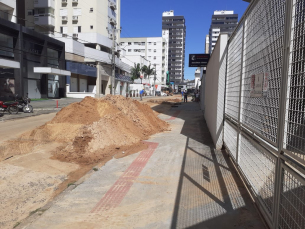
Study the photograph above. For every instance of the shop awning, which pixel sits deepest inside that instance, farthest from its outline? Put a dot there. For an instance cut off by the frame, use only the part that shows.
(9, 63)
(51, 71)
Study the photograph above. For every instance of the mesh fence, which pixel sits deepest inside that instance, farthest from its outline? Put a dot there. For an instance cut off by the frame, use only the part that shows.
(258, 165)
(230, 139)
(263, 51)
(292, 202)
(233, 74)
(295, 109)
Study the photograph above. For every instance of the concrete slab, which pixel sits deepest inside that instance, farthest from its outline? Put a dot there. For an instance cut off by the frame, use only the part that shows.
(180, 181)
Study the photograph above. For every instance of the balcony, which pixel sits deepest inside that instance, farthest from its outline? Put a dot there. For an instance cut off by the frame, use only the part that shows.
(112, 5)
(74, 1)
(74, 18)
(64, 1)
(44, 4)
(44, 19)
(64, 18)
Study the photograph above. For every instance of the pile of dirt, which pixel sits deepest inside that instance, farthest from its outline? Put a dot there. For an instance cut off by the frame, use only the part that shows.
(93, 129)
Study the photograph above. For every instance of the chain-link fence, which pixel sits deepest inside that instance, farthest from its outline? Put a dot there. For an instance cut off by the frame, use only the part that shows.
(264, 120)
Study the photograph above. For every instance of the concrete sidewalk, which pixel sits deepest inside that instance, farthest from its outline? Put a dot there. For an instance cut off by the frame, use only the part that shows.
(180, 181)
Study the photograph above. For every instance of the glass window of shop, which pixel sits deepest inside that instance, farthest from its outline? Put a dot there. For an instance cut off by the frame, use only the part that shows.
(6, 46)
(53, 80)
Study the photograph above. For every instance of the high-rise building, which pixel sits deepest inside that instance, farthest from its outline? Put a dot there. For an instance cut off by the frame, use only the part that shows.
(223, 21)
(146, 51)
(174, 32)
(207, 44)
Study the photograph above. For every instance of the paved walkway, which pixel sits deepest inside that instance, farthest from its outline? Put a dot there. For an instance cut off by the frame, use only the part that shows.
(180, 181)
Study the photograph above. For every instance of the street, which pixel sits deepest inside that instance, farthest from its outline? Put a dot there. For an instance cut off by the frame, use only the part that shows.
(179, 181)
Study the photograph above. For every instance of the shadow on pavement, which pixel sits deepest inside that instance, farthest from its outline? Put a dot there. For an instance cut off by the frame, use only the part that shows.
(210, 193)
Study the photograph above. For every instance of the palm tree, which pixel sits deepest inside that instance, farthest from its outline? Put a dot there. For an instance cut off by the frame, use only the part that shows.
(136, 71)
(148, 70)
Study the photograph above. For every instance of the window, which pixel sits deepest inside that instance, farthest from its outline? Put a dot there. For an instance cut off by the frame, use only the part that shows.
(91, 10)
(61, 29)
(155, 43)
(149, 50)
(91, 26)
(155, 57)
(30, 12)
(155, 50)
(79, 29)
(129, 43)
(149, 43)
(143, 43)
(129, 50)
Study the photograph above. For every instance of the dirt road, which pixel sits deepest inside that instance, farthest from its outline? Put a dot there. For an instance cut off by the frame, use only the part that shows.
(12, 128)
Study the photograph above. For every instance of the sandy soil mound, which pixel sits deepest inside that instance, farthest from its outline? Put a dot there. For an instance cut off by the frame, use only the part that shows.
(92, 130)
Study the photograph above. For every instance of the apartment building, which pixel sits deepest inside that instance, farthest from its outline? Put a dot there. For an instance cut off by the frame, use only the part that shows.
(146, 51)
(223, 21)
(88, 29)
(174, 32)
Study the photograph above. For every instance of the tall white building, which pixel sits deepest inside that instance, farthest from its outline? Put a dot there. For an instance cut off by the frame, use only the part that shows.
(146, 51)
(223, 21)
(207, 44)
(89, 28)
(174, 31)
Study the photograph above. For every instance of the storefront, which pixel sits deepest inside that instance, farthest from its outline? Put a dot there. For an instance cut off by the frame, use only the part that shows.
(39, 64)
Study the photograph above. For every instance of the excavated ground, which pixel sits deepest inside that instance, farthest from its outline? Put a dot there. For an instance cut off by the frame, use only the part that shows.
(41, 163)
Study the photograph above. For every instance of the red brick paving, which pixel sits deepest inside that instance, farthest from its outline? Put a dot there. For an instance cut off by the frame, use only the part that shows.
(118, 191)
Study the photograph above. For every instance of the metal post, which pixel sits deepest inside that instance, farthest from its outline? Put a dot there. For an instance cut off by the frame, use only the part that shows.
(282, 113)
(240, 91)
(155, 81)
(113, 61)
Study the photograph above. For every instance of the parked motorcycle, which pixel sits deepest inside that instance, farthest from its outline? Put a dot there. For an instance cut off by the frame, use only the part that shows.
(10, 107)
(23, 103)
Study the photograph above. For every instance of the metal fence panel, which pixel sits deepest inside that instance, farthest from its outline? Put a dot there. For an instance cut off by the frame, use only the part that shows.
(258, 165)
(294, 139)
(292, 201)
(233, 73)
(263, 51)
(230, 139)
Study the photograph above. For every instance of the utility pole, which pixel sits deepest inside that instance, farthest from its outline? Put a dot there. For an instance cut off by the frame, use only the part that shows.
(155, 81)
(113, 61)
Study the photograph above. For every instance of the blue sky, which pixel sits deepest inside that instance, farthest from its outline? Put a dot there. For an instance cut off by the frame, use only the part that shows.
(143, 18)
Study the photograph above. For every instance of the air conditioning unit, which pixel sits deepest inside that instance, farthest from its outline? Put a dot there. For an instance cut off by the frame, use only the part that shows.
(64, 18)
(112, 21)
(75, 35)
(74, 18)
(113, 5)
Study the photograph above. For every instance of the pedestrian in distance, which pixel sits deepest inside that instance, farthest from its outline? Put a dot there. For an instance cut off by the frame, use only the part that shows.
(182, 95)
(141, 93)
(185, 96)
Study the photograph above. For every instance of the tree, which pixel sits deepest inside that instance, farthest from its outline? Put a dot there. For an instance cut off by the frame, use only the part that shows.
(136, 71)
(148, 70)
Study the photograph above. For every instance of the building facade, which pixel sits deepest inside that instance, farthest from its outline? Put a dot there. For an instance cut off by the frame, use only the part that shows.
(89, 31)
(30, 63)
(8, 10)
(207, 44)
(146, 51)
(174, 32)
(222, 22)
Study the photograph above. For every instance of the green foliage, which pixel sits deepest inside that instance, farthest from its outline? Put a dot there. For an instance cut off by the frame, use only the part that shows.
(148, 70)
(136, 71)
